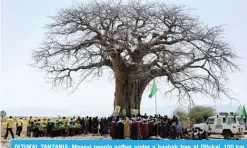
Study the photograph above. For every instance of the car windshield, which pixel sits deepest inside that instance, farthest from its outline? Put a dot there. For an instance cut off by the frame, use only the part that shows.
(241, 121)
(210, 121)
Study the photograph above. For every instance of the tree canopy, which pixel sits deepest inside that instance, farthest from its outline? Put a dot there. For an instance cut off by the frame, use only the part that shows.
(200, 114)
(138, 42)
(183, 116)
(196, 114)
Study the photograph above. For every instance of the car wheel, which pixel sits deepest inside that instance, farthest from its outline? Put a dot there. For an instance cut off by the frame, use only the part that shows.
(227, 134)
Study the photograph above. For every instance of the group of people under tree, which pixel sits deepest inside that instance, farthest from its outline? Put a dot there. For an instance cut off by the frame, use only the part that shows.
(144, 128)
(135, 128)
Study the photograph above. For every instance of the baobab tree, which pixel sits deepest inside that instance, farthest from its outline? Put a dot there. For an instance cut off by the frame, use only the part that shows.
(137, 42)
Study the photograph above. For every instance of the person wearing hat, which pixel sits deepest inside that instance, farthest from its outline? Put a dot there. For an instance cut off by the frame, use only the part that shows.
(10, 125)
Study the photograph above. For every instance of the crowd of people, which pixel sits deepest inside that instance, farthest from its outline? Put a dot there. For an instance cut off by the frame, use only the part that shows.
(134, 128)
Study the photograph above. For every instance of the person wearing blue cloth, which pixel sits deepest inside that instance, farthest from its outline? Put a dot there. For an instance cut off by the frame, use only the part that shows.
(105, 127)
(179, 130)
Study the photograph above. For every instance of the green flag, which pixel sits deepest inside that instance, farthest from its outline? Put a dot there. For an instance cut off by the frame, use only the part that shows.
(244, 114)
(154, 89)
(239, 110)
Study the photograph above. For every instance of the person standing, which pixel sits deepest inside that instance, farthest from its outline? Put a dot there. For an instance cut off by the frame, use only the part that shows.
(134, 130)
(49, 126)
(28, 125)
(90, 125)
(127, 132)
(150, 127)
(105, 127)
(113, 129)
(83, 125)
(86, 125)
(101, 124)
(173, 131)
(145, 129)
(180, 130)
(120, 129)
(95, 125)
(139, 129)
(10, 125)
(43, 125)
(19, 126)
(166, 127)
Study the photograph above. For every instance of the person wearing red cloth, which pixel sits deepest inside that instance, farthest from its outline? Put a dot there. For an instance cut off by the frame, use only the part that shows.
(139, 126)
(134, 130)
(145, 134)
(113, 130)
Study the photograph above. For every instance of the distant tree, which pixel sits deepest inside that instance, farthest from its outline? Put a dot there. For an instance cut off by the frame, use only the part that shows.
(183, 116)
(3, 114)
(199, 114)
(137, 42)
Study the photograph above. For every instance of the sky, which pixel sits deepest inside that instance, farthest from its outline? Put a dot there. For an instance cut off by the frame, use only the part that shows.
(25, 92)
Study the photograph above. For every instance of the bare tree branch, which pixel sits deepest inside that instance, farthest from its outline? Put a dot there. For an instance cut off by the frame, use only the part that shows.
(138, 40)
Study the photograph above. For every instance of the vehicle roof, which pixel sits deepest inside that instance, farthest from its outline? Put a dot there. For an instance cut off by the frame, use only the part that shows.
(220, 116)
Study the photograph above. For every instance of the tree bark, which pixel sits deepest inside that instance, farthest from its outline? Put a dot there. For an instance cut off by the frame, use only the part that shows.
(128, 87)
(128, 92)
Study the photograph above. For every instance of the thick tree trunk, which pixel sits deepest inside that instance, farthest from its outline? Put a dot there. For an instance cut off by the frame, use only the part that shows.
(128, 92)
(129, 88)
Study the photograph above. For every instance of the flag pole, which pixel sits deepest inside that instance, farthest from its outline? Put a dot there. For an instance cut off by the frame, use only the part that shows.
(153, 93)
(156, 110)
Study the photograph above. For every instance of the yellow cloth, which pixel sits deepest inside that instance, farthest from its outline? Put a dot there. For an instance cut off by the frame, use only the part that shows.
(65, 121)
(77, 125)
(127, 128)
(43, 123)
(19, 122)
(10, 123)
(29, 121)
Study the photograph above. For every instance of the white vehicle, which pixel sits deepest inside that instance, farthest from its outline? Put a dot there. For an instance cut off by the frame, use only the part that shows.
(226, 125)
